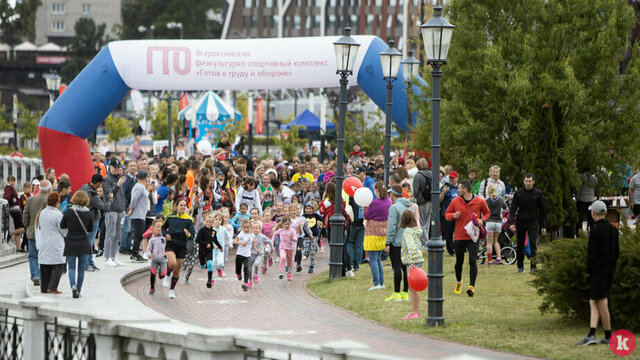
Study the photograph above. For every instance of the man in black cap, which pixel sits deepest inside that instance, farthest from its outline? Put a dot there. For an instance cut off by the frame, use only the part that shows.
(112, 186)
(602, 257)
(138, 208)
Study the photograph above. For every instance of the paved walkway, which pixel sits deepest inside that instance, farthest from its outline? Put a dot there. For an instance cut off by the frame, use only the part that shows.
(287, 311)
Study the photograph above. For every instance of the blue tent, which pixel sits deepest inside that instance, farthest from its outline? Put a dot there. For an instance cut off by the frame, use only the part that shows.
(309, 120)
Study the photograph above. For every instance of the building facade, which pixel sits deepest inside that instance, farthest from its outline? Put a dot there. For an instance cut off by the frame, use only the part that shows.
(55, 19)
(397, 19)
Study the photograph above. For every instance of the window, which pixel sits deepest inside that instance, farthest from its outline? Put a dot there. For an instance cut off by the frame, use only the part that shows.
(247, 4)
(378, 3)
(318, 3)
(399, 19)
(296, 22)
(57, 8)
(317, 20)
(254, 21)
(268, 3)
(392, 2)
(307, 23)
(332, 21)
(57, 26)
(245, 22)
(86, 8)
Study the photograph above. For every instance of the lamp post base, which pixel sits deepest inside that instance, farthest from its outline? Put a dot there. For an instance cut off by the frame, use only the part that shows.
(336, 246)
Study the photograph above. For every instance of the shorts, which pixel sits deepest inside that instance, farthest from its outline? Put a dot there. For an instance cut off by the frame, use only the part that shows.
(180, 252)
(493, 227)
(600, 285)
(17, 219)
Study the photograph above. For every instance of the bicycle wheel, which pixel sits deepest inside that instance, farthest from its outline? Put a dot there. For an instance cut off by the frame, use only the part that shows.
(508, 255)
(482, 254)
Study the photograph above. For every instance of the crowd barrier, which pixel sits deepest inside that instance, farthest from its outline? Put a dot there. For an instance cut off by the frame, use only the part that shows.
(24, 170)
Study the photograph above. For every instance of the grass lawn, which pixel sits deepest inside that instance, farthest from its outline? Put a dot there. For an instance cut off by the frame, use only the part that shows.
(503, 315)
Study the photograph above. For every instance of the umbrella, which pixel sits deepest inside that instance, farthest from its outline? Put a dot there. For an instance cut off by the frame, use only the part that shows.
(209, 113)
(309, 120)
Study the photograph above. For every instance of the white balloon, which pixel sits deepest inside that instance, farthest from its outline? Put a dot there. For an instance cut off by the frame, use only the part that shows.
(363, 196)
(204, 147)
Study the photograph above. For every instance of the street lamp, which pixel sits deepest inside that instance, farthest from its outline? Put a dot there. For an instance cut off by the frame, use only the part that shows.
(52, 80)
(390, 59)
(14, 115)
(169, 96)
(410, 66)
(436, 34)
(346, 49)
(143, 28)
(175, 25)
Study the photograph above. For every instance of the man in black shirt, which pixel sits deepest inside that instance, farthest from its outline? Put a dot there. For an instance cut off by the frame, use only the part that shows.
(527, 214)
(602, 256)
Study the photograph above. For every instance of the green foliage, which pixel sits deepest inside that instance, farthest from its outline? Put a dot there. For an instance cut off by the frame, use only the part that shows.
(5, 119)
(534, 86)
(28, 122)
(28, 153)
(84, 46)
(160, 121)
(191, 13)
(12, 29)
(561, 280)
(289, 141)
(119, 128)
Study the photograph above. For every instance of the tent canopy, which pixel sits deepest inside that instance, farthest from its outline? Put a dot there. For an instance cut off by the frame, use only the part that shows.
(309, 120)
(26, 46)
(50, 47)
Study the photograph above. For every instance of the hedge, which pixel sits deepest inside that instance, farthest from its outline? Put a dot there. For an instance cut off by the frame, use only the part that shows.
(561, 281)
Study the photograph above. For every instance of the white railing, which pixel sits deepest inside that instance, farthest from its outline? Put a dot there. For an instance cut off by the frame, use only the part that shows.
(23, 169)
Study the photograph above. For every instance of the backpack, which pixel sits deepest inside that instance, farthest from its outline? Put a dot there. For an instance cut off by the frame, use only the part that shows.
(425, 191)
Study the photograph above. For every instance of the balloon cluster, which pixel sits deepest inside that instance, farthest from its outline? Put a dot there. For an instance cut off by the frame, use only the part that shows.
(354, 188)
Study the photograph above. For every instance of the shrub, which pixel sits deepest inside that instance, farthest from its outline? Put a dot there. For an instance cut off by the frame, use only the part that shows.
(561, 281)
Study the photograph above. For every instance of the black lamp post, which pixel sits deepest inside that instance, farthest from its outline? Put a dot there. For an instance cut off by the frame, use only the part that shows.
(410, 66)
(52, 80)
(169, 96)
(390, 59)
(346, 49)
(436, 34)
(14, 115)
(176, 25)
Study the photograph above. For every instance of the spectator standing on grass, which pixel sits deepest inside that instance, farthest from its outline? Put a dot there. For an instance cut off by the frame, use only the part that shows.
(585, 196)
(494, 178)
(526, 216)
(394, 243)
(31, 209)
(422, 195)
(634, 196)
(375, 232)
(602, 257)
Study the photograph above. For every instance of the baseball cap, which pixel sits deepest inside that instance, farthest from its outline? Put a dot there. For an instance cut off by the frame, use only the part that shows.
(114, 162)
(360, 169)
(35, 182)
(453, 174)
(598, 207)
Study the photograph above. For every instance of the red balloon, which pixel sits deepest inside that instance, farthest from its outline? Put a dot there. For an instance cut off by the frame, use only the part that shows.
(351, 184)
(417, 279)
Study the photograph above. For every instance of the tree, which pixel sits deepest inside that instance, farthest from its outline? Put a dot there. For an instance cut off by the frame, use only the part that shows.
(83, 47)
(289, 141)
(17, 21)
(160, 121)
(193, 14)
(530, 85)
(28, 122)
(119, 128)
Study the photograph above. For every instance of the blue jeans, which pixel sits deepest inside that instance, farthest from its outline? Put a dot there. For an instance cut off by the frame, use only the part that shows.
(125, 239)
(71, 262)
(375, 263)
(355, 245)
(34, 268)
(92, 239)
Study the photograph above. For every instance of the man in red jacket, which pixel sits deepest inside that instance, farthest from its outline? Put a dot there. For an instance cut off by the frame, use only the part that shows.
(461, 209)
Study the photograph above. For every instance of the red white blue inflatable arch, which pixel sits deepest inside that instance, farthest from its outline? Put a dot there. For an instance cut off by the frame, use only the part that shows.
(198, 65)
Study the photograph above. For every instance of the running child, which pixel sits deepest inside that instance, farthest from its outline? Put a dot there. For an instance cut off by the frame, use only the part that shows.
(288, 239)
(178, 230)
(244, 239)
(207, 240)
(261, 246)
(240, 216)
(299, 223)
(156, 252)
(310, 246)
(225, 239)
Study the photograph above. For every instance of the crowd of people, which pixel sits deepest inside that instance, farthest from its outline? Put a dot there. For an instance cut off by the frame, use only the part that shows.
(192, 208)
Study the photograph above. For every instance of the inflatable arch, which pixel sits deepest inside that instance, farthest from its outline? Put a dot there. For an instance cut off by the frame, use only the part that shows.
(198, 65)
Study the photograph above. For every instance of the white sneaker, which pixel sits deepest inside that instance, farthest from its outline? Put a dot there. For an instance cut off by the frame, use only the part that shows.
(110, 262)
(380, 287)
(350, 273)
(172, 294)
(166, 282)
(374, 287)
(118, 262)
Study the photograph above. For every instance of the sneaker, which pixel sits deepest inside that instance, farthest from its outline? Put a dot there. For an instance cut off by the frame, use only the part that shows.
(374, 287)
(299, 268)
(256, 278)
(100, 253)
(498, 261)
(277, 260)
(118, 262)
(310, 269)
(350, 273)
(589, 340)
(57, 292)
(458, 289)
(208, 284)
(239, 276)
(166, 282)
(186, 281)
(75, 293)
(220, 272)
(36, 282)
(250, 285)
(404, 296)
(125, 251)
(380, 287)
(139, 258)
(411, 316)
(305, 257)
(213, 281)
(289, 277)
(152, 291)
(110, 262)
(280, 276)
(492, 262)
(365, 261)
(603, 341)
(133, 258)
(270, 261)
(264, 270)
(286, 269)
(94, 267)
(90, 269)
(203, 266)
(471, 291)
(172, 294)
(394, 297)
(245, 287)
(520, 270)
